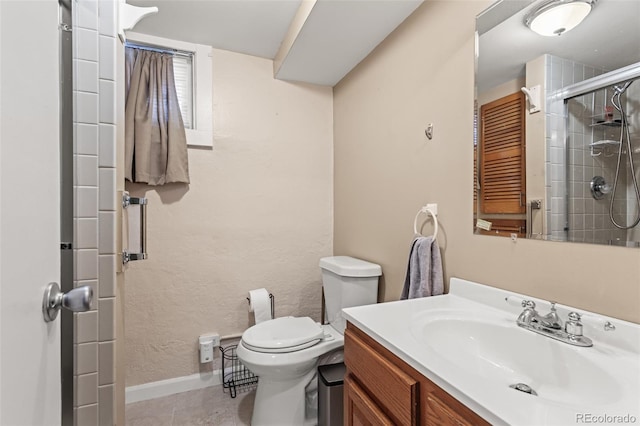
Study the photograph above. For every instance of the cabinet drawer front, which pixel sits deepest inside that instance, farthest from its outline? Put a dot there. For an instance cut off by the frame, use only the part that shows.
(389, 386)
(360, 409)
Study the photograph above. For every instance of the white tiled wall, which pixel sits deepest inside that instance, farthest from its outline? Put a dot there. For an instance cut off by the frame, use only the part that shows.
(572, 212)
(94, 32)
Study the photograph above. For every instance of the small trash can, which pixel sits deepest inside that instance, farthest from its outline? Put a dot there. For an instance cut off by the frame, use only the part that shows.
(330, 394)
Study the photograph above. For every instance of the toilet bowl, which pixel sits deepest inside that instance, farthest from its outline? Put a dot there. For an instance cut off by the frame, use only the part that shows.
(284, 375)
(285, 352)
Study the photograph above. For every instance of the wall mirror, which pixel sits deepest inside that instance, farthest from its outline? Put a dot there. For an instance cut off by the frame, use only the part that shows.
(559, 160)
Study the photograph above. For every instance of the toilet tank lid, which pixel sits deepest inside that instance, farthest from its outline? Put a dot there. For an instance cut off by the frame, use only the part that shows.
(347, 266)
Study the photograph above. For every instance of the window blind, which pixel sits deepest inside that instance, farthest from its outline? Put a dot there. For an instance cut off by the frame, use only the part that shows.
(183, 74)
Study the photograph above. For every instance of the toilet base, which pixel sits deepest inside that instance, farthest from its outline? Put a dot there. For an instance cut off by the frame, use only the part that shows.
(282, 402)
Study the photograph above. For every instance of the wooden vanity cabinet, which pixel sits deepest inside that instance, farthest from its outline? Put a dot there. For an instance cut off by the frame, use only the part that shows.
(381, 389)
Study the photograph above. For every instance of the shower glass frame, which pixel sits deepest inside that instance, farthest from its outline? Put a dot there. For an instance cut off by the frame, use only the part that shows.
(592, 85)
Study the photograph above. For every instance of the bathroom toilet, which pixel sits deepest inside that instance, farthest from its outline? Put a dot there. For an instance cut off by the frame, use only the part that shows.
(285, 352)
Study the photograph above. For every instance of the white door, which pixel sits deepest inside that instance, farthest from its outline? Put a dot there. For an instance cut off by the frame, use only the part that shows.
(29, 211)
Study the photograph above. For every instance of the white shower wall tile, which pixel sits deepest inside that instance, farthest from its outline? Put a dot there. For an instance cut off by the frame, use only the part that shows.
(107, 58)
(86, 136)
(107, 101)
(578, 72)
(567, 72)
(106, 401)
(86, 361)
(86, 76)
(86, 44)
(106, 321)
(589, 72)
(86, 201)
(558, 205)
(107, 146)
(107, 223)
(86, 108)
(86, 170)
(107, 13)
(87, 386)
(106, 266)
(86, 233)
(107, 354)
(86, 264)
(107, 190)
(86, 327)
(87, 415)
(557, 156)
(87, 14)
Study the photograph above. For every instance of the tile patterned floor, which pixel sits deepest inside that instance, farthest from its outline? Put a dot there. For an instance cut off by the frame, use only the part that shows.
(209, 406)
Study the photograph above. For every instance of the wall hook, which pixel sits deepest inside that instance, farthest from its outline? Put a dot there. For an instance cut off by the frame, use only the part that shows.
(429, 131)
(533, 96)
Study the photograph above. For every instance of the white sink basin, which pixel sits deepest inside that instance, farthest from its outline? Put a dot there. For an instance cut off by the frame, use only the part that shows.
(468, 343)
(508, 354)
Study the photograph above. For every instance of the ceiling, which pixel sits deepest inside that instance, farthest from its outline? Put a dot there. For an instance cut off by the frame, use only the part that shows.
(328, 38)
(608, 38)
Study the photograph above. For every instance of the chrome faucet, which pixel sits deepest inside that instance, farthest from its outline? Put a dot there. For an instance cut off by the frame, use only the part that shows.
(550, 325)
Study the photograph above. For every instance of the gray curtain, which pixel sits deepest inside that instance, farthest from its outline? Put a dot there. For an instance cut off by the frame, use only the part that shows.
(155, 141)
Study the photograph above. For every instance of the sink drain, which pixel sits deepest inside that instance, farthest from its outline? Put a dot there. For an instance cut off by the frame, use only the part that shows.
(522, 387)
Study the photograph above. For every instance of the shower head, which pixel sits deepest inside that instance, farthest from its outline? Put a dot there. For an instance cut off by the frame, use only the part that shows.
(621, 88)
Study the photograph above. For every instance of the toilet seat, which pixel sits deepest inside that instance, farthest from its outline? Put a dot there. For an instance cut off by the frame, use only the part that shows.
(286, 334)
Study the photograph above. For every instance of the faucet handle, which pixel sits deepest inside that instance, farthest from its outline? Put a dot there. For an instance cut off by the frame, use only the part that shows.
(553, 305)
(573, 326)
(529, 304)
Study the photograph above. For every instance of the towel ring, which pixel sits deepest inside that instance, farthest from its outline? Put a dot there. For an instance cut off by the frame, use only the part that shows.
(435, 221)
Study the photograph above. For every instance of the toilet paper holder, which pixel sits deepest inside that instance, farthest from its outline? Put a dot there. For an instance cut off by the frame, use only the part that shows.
(272, 301)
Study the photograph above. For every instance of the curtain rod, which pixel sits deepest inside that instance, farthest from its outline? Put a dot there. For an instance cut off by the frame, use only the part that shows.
(159, 49)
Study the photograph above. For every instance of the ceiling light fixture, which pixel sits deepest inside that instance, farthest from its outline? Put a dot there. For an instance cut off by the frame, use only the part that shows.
(556, 17)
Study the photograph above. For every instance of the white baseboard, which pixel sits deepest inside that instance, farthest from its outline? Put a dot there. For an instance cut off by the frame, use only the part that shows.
(171, 386)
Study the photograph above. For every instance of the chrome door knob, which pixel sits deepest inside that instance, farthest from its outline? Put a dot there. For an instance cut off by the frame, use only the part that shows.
(76, 300)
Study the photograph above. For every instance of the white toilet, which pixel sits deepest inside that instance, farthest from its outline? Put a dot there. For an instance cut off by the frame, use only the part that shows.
(284, 352)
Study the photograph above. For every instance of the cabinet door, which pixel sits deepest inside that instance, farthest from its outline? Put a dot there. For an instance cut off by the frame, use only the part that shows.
(441, 409)
(382, 378)
(359, 409)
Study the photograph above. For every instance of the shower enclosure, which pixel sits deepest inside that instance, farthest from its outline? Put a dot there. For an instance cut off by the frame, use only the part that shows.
(602, 160)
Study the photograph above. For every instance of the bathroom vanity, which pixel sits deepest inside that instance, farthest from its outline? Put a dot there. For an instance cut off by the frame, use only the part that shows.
(462, 359)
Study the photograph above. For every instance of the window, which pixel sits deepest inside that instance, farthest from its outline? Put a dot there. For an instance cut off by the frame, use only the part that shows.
(194, 79)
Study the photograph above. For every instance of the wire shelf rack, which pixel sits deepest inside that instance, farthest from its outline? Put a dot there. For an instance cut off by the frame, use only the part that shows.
(235, 375)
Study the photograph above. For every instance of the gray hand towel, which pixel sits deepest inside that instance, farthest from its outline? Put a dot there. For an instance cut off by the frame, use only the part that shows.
(424, 271)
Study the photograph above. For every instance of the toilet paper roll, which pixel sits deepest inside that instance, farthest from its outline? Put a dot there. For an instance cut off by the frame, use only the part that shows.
(260, 304)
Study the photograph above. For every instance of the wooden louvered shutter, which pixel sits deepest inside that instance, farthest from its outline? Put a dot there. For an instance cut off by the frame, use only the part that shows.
(475, 179)
(502, 159)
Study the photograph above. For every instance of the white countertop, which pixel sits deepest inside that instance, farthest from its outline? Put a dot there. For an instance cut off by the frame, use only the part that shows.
(612, 364)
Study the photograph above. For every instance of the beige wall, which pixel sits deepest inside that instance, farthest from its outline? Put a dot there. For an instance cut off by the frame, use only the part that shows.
(385, 169)
(505, 89)
(258, 213)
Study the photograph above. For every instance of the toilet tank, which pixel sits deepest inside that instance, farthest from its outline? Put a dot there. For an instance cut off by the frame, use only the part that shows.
(347, 282)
